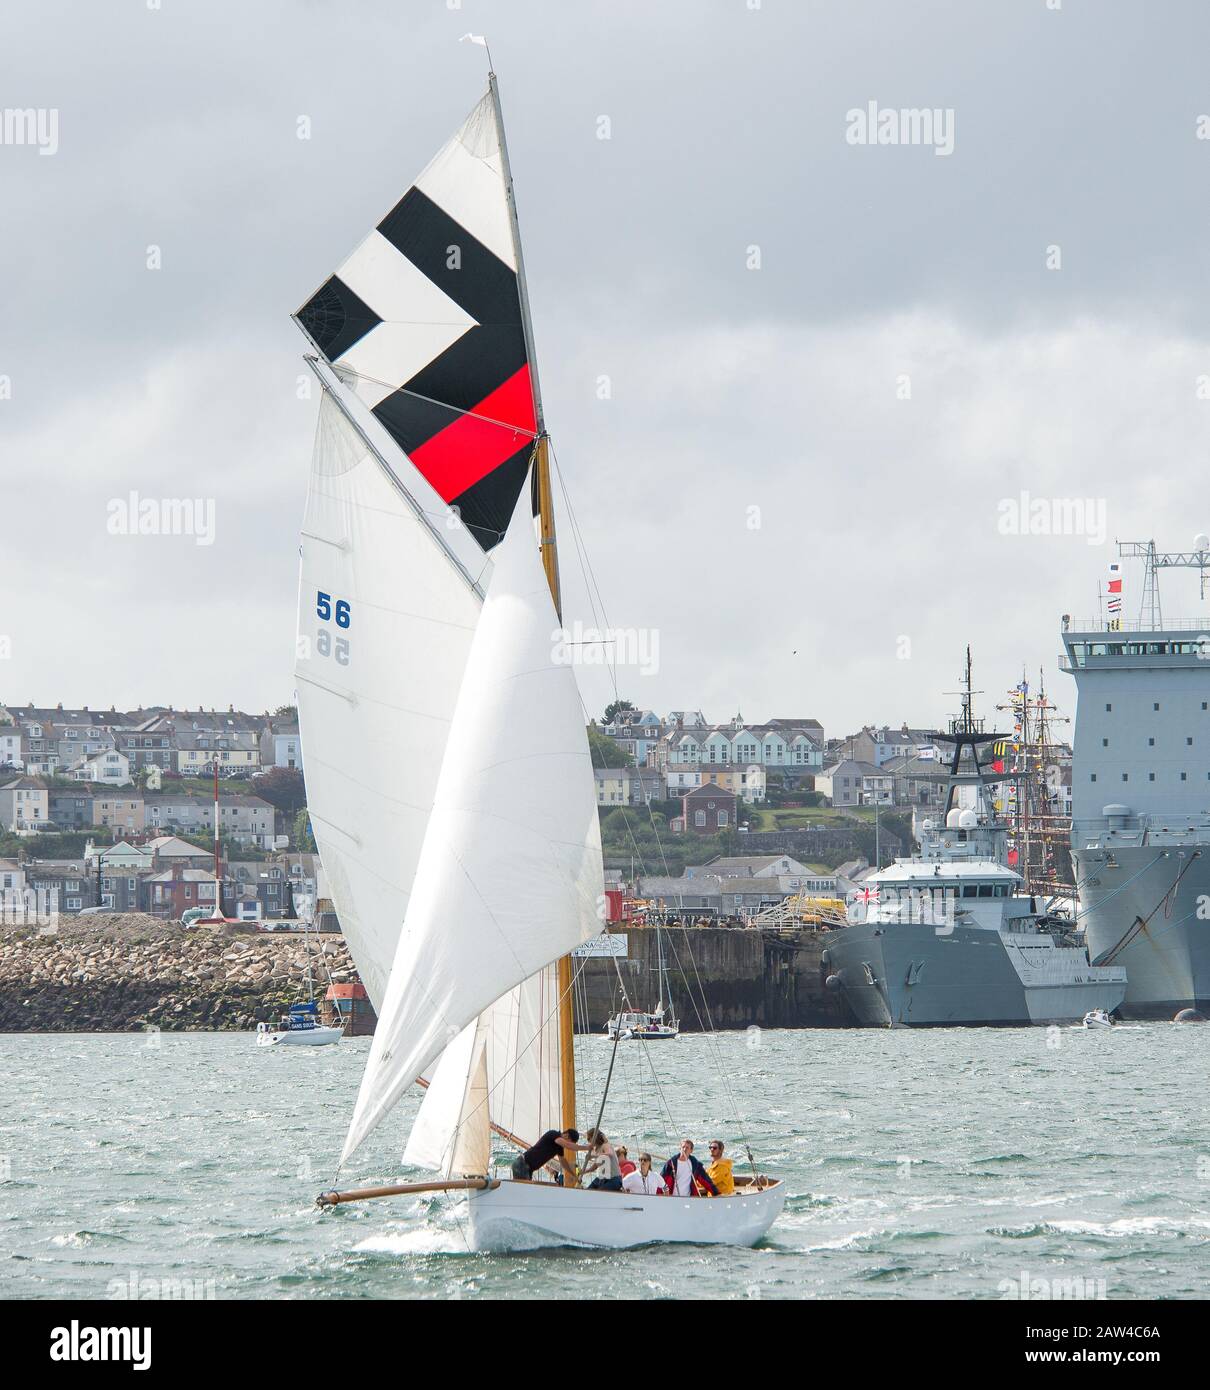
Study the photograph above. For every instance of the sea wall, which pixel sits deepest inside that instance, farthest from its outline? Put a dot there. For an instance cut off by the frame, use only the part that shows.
(127, 972)
(120, 973)
(721, 977)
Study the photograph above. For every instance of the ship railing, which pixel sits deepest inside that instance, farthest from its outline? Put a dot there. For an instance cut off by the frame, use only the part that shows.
(1101, 625)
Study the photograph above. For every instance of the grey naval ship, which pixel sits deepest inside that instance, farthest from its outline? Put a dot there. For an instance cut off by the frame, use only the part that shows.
(945, 938)
(1141, 790)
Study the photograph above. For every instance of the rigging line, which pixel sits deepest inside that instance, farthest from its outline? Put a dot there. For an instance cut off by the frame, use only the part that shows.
(577, 538)
(592, 588)
(1140, 924)
(518, 430)
(508, 1071)
(1083, 912)
(712, 1040)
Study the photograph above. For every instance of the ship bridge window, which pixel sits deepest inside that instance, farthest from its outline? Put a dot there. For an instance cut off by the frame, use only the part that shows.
(986, 890)
(1108, 709)
(1151, 743)
(970, 890)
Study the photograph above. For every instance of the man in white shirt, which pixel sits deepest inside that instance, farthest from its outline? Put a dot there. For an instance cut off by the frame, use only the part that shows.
(643, 1180)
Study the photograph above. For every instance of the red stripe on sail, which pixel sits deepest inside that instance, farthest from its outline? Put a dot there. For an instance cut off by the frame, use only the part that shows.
(463, 453)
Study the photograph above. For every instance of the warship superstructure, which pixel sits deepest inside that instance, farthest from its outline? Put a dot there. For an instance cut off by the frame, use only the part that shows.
(946, 937)
(1141, 790)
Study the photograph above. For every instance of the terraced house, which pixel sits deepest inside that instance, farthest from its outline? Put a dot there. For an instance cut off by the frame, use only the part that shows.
(24, 805)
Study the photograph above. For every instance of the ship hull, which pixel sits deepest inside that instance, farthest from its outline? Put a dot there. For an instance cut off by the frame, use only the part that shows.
(533, 1215)
(1168, 961)
(911, 976)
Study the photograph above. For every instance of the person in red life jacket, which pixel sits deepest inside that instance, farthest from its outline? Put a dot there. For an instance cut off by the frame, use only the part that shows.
(684, 1175)
(624, 1162)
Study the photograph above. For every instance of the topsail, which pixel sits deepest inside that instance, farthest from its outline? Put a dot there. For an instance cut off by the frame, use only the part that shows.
(424, 321)
(425, 433)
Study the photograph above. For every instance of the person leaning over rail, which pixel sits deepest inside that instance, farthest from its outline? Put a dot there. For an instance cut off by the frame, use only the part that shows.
(719, 1169)
(553, 1144)
(602, 1155)
(685, 1176)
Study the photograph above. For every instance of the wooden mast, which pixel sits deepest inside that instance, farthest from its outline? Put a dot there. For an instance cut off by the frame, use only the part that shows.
(550, 563)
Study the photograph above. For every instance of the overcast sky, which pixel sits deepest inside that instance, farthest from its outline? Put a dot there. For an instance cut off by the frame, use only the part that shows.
(803, 540)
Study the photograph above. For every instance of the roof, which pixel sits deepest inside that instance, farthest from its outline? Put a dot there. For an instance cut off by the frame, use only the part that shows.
(166, 798)
(182, 876)
(754, 862)
(708, 789)
(213, 739)
(23, 784)
(171, 846)
(852, 767)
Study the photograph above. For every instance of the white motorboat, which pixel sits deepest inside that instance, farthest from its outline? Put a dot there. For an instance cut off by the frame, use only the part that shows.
(1097, 1018)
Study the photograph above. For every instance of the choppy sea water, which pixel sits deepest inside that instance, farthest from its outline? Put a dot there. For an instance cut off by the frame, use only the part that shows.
(941, 1163)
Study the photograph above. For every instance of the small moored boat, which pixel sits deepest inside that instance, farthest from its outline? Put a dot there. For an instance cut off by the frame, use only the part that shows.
(300, 1027)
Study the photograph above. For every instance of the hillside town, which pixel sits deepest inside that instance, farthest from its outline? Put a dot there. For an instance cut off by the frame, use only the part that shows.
(114, 811)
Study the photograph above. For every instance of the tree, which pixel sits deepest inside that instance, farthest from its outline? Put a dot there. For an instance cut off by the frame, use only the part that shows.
(283, 788)
(304, 840)
(605, 752)
(616, 707)
(289, 712)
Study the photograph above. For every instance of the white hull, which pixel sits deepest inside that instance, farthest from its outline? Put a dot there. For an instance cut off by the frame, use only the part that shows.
(299, 1037)
(529, 1215)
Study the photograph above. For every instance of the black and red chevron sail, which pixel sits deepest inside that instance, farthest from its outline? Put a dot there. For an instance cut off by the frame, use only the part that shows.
(424, 320)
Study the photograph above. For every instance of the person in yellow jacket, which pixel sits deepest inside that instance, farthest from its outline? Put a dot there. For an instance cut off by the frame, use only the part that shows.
(719, 1169)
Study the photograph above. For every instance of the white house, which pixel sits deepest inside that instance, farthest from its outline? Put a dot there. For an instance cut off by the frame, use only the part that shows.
(287, 749)
(111, 768)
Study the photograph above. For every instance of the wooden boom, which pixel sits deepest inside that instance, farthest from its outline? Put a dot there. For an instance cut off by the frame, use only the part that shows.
(358, 1194)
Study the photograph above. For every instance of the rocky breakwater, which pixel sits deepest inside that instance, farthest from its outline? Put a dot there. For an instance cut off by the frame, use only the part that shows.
(126, 972)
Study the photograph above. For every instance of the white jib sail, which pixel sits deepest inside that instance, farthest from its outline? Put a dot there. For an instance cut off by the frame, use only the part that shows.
(519, 1050)
(385, 623)
(510, 874)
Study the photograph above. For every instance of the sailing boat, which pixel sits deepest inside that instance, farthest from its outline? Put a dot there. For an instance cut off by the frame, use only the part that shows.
(449, 776)
(647, 1027)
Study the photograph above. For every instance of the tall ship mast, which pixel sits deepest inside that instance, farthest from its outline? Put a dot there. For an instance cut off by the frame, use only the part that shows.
(1141, 785)
(1039, 765)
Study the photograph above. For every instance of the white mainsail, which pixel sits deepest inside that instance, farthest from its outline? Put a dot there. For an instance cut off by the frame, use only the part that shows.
(510, 874)
(386, 619)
